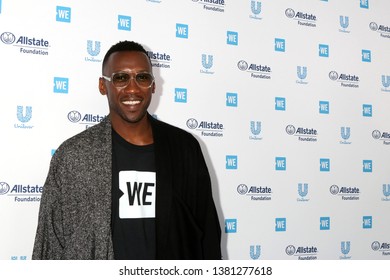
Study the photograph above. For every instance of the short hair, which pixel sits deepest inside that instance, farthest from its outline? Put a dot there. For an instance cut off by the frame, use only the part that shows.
(123, 46)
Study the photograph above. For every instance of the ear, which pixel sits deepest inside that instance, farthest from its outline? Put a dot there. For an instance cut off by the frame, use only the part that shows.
(154, 87)
(102, 86)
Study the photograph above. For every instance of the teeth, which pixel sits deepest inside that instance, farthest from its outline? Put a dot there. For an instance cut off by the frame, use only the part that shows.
(131, 102)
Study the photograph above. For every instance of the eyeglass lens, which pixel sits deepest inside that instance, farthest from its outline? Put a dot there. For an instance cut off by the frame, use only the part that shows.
(122, 79)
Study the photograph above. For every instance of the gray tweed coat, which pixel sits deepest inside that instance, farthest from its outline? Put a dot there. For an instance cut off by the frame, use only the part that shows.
(75, 211)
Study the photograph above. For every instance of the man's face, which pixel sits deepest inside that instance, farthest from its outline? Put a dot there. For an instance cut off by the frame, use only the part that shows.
(129, 104)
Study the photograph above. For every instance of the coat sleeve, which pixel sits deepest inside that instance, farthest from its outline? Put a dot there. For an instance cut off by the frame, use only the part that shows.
(207, 213)
(49, 241)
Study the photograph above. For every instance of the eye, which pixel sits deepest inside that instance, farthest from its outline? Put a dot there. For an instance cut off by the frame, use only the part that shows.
(144, 77)
(120, 78)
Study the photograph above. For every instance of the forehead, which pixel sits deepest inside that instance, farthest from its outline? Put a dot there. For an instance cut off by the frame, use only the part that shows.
(128, 60)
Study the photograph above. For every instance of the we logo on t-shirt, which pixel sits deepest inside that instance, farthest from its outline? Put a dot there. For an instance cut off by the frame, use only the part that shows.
(139, 194)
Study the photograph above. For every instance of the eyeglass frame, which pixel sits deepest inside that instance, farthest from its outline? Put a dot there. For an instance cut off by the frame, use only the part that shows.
(109, 79)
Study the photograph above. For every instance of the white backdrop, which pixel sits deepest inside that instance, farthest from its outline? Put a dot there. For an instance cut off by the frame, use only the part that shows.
(289, 100)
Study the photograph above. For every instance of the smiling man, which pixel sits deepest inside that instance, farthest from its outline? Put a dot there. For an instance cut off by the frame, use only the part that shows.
(130, 187)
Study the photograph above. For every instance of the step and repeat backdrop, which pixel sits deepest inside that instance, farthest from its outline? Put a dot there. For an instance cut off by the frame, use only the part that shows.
(289, 100)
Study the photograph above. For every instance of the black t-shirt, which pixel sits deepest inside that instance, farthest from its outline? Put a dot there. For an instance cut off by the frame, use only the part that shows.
(133, 200)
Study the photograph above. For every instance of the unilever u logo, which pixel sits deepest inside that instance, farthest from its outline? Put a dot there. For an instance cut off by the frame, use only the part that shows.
(344, 22)
(24, 117)
(386, 190)
(385, 81)
(345, 247)
(345, 132)
(93, 50)
(303, 189)
(256, 7)
(255, 127)
(302, 72)
(255, 252)
(207, 61)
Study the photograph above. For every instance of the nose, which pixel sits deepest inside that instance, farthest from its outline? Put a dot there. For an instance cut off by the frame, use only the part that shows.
(132, 85)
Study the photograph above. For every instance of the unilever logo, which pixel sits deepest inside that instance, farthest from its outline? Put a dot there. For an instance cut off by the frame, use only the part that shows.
(345, 249)
(93, 49)
(255, 9)
(7, 38)
(303, 190)
(4, 188)
(386, 192)
(255, 127)
(257, 70)
(345, 135)
(24, 115)
(255, 252)
(207, 128)
(302, 74)
(386, 83)
(207, 63)
(344, 24)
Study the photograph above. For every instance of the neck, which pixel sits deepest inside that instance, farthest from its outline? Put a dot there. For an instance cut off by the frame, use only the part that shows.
(139, 133)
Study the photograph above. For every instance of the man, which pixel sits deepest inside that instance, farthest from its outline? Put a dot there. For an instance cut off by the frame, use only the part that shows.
(130, 187)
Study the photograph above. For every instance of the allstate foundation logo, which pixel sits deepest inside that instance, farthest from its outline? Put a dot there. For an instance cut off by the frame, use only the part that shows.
(160, 59)
(302, 252)
(302, 75)
(345, 80)
(303, 190)
(383, 30)
(345, 249)
(4, 188)
(257, 193)
(86, 119)
(302, 18)
(212, 5)
(344, 24)
(26, 44)
(207, 63)
(346, 193)
(255, 127)
(383, 247)
(345, 135)
(381, 136)
(93, 49)
(22, 193)
(7, 38)
(257, 71)
(206, 128)
(255, 9)
(386, 83)
(255, 252)
(24, 115)
(302, 133)
(386, 192)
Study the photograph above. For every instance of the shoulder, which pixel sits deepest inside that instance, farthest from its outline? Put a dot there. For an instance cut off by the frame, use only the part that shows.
(165, 130)
(90, 139)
